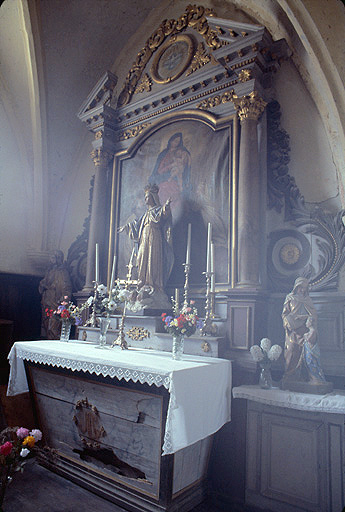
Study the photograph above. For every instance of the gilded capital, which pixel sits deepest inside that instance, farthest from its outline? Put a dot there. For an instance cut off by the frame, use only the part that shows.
(249, 107)
(101, 157)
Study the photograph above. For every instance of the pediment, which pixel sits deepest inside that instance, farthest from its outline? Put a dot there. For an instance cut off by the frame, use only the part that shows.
(100, 96)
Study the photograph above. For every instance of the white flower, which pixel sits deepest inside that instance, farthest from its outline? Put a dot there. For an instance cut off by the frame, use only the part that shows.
(124, 295)
(37, 434)
(101, 289)
(256, 353)
(112, 305)
(274, 352)
(265, 344)
(24, 452)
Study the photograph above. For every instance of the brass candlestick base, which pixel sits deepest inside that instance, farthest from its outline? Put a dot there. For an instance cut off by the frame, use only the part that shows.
(121, 340)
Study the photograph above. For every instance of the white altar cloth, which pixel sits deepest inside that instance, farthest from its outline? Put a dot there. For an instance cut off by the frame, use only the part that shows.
(199, 387)
(330, 403)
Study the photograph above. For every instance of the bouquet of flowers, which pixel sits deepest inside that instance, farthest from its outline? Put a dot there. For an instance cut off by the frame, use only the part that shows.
(16, 446)
(67, 311)
(265, 353)
(104, 303)
(184, 322)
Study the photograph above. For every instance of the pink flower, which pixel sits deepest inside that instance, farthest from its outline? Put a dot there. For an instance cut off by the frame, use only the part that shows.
(22, 432)
(37, 434)
(6, 448)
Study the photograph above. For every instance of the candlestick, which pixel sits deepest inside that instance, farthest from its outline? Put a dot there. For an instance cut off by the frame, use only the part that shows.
(213, 278)
(209, 238)
(112, 276)
(97, 265)
(177, 297)
(189, 242)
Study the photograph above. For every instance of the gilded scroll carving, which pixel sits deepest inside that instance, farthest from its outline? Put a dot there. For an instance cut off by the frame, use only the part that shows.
(133, 132)
(216, 100)
(195, 18)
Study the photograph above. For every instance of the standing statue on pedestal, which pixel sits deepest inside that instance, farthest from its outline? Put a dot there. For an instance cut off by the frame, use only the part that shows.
(152, 233)
(303, 370)
(54, 287)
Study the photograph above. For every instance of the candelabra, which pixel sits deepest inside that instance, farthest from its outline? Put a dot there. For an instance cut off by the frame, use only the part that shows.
(209, 328)
(92, 321)
(121, 339)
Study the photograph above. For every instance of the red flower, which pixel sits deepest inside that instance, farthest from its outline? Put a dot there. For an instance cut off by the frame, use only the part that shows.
(6, 448)
(65, 313)
(163, 315)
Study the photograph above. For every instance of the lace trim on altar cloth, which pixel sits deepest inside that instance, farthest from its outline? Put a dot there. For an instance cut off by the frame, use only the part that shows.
(107, 370)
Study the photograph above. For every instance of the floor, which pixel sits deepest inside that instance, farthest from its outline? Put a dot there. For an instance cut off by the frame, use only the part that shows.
(40, 490)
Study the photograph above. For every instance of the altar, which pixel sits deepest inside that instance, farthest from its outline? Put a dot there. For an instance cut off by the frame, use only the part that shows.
(134, 426)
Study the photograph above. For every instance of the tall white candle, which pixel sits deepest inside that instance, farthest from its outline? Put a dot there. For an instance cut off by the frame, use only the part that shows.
(112, 276)
(189, 243)
(209, 238)
(97, 264)
(213, 277)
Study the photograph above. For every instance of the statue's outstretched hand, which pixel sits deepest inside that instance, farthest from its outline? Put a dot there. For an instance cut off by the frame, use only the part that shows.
(121, 229)
(168, 201)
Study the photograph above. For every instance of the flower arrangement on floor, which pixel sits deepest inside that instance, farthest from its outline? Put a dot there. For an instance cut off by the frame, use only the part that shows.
(17, 445)
(265, 354)
(185, 322)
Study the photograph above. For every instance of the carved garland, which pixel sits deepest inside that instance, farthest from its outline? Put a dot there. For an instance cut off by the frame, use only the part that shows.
(195, 18)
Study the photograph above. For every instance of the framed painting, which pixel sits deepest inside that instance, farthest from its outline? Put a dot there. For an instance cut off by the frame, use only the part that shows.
(192, 163)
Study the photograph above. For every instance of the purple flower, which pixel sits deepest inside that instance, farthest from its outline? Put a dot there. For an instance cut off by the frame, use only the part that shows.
(199, 324)
(78, 321)
(168, 319)
(22, 432)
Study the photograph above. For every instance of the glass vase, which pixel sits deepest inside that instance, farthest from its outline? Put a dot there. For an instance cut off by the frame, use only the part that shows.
(103, 328)
(177, 347)
(265, 379)
(66, 325)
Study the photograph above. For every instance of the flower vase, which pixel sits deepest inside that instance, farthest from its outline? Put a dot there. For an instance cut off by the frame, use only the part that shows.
(66, 325)
(177, 348)
(265, 379)
(103, 328)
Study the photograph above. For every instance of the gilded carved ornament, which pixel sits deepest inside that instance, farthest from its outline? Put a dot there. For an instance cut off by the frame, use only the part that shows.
(214, 101)
(100, 157)
(249, 107)
(144, 85)
(200, 58)
(244, 75)
(138, 333)
(133, 132)
(195, 18)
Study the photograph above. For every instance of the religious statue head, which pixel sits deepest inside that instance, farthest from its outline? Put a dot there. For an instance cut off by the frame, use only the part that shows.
(175, 141)
(301, 286)
(151, 195)
(57, 257)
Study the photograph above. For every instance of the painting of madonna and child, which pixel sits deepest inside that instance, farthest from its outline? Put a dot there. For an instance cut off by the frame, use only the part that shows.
(178, 176)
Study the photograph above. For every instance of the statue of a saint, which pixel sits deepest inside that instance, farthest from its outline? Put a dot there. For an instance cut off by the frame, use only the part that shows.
(302, 354)
(54, 287)
(152, 233)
